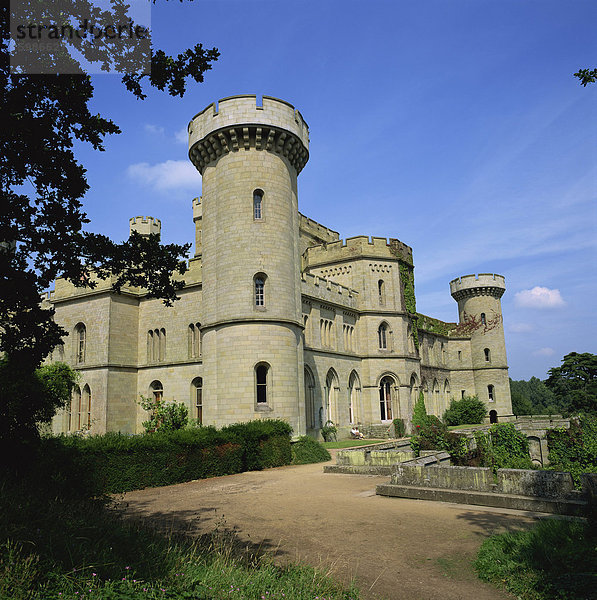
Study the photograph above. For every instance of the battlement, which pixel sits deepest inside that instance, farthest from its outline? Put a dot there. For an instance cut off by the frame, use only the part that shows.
(244, 110)
(145, 225)
(478, 285)
(360, 246)
(326, 290)
(317, 230)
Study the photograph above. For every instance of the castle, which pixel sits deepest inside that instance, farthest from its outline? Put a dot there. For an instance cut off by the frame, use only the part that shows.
(279, 318)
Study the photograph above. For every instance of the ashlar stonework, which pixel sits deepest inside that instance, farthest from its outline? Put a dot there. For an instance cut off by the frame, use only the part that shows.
(279, 318)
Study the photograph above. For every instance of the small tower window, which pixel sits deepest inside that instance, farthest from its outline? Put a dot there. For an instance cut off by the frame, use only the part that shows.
(483, 319)
(257, 205)
(261, 372)
(197, 399)
(381, 291)
(259, 290)
(491, 393)
(81, 341)
(487, 355)
(382, 334)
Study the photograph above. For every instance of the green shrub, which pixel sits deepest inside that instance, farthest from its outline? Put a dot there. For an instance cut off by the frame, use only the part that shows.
(466, 411)
(419, 412)
(574, 449)
(307, 450)
(399, 428)
(553, 560)
(430, 435)
(329, 432)
(503, 447)
(164, 416)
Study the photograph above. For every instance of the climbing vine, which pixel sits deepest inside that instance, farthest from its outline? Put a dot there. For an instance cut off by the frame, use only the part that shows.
(471, 323)
(435, 325)
(408, 283)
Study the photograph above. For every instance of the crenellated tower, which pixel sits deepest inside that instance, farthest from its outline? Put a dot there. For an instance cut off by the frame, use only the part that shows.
(249, 157)
(145, 225)
(480, 317)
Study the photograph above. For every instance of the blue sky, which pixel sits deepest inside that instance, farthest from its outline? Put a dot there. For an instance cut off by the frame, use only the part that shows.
(455, 126)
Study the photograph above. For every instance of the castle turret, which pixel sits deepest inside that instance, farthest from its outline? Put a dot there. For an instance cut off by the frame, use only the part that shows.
(145, 225)
(480, 316)
(249, 157)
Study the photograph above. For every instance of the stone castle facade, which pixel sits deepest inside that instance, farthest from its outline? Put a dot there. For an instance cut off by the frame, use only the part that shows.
(279, 318)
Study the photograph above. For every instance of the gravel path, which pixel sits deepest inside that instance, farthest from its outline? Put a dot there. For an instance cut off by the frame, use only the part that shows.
(394, 548)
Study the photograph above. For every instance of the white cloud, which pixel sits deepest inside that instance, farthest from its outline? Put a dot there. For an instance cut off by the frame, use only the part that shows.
(168, 175)
(539, 297)
(544, 352)
(520, 328)
(182, 136)
(153, 129)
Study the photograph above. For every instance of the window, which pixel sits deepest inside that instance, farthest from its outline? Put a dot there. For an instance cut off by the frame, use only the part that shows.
(462, 393)
(74, 413)
(80, 340)
(382, 334)
(327, 333)
(261, 372)
(306, 335)
(381, 291)
(257, 205)
(197, 398)
(309, 399)
(459, 354)
(354, 393)
(385, 398)
(156, 390)
(483, 319)
(491, 393)
(86, 408)
(156, 345)
(259, 285)
(487, 355)
(194, 340)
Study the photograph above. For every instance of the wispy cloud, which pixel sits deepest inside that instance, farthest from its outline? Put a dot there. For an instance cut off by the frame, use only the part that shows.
(168, 175)
(153, 129)
(544, 352)
(520, 328)
(181, 136)
(539, 297)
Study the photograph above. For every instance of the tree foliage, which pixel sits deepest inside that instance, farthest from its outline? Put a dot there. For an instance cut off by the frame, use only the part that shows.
(42, 184)
(533, 397)
(164, 416)
(575, 382)
(419, 412)
(586, 76)
(469, 410)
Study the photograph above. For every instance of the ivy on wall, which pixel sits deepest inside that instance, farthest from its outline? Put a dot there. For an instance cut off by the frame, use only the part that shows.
(407, 278)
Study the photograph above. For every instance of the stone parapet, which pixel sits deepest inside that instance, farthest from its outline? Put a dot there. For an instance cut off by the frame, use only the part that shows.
(145, 225)
(317, 230)
(484, 284)
(328, 291)
(361, 246)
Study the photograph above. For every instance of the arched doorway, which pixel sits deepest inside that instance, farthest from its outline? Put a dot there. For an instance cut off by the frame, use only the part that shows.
(493, 416)
(385, 398)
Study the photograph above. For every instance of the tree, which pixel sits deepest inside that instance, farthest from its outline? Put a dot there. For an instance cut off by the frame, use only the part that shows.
(419, 412)
(586, 76)
(575, 382)
(42, 184)
(533, 397)
(469, 410)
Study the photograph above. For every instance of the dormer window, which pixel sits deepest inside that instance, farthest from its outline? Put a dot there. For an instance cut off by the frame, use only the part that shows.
(257, 205)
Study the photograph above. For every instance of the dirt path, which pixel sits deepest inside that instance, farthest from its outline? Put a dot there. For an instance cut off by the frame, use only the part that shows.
(395, 548)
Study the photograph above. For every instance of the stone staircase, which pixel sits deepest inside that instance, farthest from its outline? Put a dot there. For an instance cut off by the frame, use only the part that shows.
(379, 432)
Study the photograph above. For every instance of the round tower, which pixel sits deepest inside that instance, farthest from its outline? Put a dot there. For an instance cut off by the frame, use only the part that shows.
(145, 225)
(480, 317)
(249, 157)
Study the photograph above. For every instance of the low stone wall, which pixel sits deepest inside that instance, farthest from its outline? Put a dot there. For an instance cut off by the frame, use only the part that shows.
(540, 491)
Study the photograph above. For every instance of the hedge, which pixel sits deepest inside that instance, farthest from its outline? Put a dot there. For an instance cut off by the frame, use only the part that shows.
(119, 463)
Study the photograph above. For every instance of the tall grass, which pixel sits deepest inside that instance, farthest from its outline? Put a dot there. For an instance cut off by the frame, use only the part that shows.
(554, 560)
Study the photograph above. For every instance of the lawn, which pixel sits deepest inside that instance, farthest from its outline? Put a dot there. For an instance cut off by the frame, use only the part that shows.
(350, 443)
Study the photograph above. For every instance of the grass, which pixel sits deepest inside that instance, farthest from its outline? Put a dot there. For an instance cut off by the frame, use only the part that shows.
(555, 559)
(57, 544)
(350, 443)
(452, 427)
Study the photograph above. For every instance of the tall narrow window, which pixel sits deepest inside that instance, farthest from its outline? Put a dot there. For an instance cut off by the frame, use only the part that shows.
(257, 205)
(80, 339)
(149, 346)
(385, 398)
(261, 383)
(491, 393)
(194, 334)
(382, 334)
(487, 355)
(86, 407)
(74, 414)
(259, 290)
(162, 344)
(483, 319)
(462, 393)
(381, 291)
(157, 390)
(197, 398)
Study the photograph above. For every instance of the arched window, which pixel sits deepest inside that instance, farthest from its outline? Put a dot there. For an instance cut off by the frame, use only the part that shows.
(354, 398)
(491, 393)
(162, 344)
(156, 390)
(86, 408)
(446, 392)
(413, 390)
(259, 290)
(382, 334)
(436, 404)
(81, 341)
(194, 340)
(385, 398)
(197, 398)
(493, 416)
(332, 387)
(257, 205)
(74, 413)
(261, 375)
(150, 346)
(309, 399)
(306, 335)
(487, 355)
(381, 291)
(483, 319)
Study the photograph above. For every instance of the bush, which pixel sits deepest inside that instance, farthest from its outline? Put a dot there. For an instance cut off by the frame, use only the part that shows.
(574, 449)
(553, 560)
(419, 412)
(503, 447)
(164, 416)
(399, 428)
(329, 431)
(307, 450)
(466, 411)
(431, 435)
